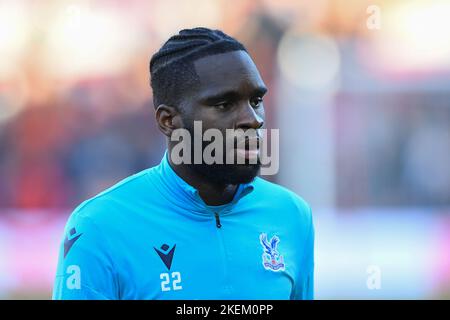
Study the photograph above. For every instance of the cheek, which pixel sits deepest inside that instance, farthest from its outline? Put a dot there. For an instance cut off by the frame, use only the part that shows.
(262, 114)
(215, 119)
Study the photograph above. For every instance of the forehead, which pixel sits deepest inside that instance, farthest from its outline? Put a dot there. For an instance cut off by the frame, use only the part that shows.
(231, 71)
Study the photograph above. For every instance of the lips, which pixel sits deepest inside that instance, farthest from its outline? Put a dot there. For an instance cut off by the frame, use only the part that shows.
(248, 149)
(247, 154)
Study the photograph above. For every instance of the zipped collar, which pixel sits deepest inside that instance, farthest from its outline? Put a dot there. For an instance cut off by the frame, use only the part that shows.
(186, 196)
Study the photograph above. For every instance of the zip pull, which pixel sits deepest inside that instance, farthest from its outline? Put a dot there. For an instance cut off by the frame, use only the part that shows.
(218, 224)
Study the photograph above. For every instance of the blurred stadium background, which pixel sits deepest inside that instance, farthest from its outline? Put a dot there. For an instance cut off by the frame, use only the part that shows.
(363, 110)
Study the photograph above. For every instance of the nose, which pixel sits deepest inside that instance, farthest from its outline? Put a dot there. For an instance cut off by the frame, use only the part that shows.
(250, 118)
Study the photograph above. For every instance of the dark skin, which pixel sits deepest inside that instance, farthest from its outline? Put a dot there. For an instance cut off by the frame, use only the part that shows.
(229, 96)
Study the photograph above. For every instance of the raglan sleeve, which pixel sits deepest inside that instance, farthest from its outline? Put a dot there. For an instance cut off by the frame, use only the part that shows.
(84, 270)
(304, 288)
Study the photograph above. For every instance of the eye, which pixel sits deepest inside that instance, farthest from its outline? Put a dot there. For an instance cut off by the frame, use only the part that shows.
(256, 102)
(223, 105)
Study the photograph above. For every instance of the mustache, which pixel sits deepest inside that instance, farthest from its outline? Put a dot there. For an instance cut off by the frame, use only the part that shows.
(244, 139)
(245, 143)
(230, 138)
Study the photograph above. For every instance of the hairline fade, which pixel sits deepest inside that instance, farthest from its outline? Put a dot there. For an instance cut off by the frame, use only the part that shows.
(172, 69)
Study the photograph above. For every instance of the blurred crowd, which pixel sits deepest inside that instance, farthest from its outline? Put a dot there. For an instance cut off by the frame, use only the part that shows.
(64, 139)
(60, 153)
(360, 91)
(399, 143)
(70, 127)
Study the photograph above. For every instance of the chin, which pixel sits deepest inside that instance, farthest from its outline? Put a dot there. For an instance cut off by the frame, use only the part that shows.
(230, 174)
(244, 173)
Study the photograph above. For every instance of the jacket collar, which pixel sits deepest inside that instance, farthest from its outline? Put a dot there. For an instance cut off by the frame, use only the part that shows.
(183, 194)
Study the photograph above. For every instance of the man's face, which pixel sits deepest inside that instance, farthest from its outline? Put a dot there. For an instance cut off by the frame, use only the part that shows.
(229, 96)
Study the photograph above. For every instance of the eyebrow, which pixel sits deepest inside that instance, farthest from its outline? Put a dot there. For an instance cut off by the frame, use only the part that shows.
(230, 95)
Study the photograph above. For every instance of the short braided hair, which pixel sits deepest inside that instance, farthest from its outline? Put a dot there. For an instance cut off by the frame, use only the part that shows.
(172, 68)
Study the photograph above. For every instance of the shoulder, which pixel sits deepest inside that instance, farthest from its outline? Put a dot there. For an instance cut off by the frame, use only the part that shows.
(101, 207)
(276, 191)
(282, 197)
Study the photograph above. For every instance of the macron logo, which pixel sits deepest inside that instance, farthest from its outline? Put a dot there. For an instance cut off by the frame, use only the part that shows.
(165, 256)
(68, 242)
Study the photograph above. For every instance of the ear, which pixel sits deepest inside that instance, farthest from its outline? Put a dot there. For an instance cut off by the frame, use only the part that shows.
(168, 119)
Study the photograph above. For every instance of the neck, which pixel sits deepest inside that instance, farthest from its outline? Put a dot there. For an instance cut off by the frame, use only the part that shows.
(212, 194)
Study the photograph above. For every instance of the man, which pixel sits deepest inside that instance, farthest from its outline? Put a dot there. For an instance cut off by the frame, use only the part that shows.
(194, 230)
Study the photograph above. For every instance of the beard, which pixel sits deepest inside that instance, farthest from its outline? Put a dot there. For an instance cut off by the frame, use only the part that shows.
(225, 173)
